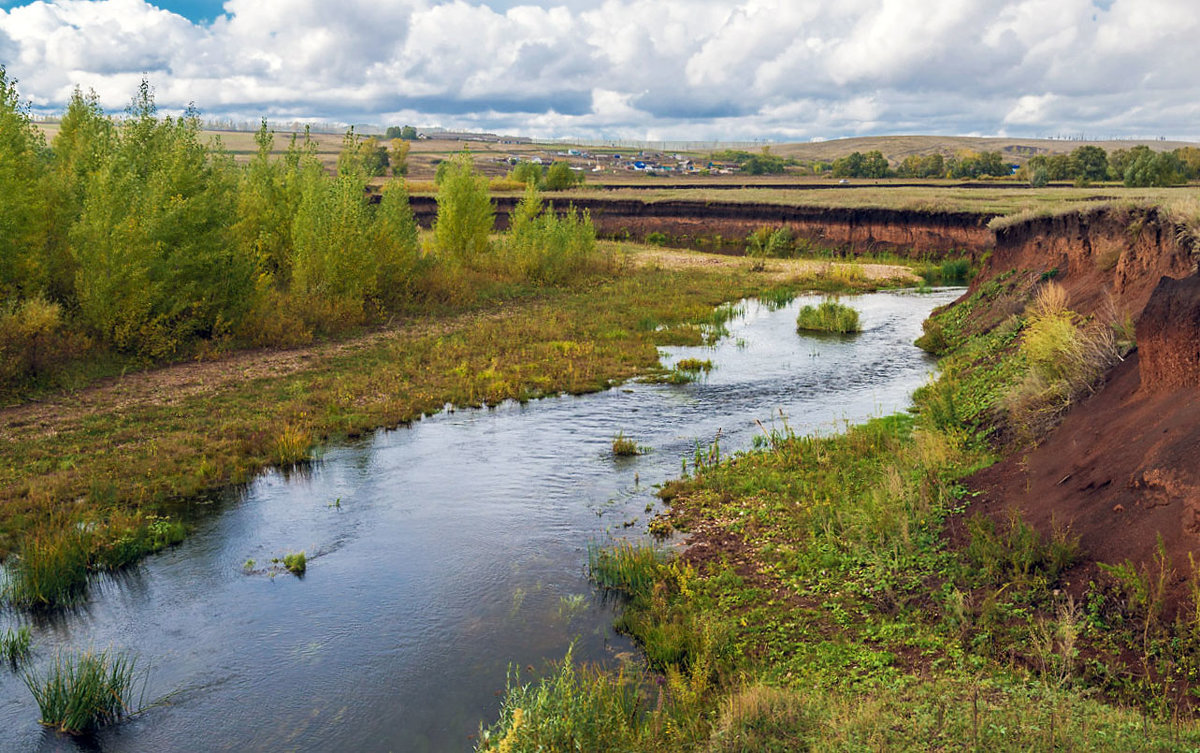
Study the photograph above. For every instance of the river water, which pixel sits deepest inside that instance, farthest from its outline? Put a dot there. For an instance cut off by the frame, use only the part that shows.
(440, 553)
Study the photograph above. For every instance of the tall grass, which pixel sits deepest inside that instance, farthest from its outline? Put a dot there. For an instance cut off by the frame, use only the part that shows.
(81, 692)
(829, 316)
(1067, 357)
(573, 709)
(14, 645)
(55, 560)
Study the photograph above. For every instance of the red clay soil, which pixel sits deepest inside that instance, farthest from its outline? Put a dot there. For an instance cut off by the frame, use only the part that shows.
(1122, 471)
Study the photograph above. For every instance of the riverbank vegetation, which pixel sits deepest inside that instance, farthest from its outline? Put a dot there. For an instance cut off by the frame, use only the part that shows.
(839, 594)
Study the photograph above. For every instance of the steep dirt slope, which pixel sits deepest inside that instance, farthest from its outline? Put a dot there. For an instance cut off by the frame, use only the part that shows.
(1123, 468)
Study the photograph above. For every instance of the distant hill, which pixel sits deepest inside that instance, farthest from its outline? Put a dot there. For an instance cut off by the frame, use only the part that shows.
(896, 148)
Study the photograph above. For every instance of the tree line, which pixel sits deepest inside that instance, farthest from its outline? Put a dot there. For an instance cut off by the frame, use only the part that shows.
(1139, 166)
(135, 238)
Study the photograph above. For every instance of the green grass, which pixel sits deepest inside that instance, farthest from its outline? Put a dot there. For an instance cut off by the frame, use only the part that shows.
(14, 645)
(828, 316)
(81, 692)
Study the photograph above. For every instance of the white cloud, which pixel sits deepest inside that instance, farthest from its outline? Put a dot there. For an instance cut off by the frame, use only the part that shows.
(685, 68)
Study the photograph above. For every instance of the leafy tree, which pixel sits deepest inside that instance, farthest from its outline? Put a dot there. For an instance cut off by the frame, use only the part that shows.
(407, 133)
(528, 173)
(333, 268)
(850, 166)
(157, 265)
(397, 245)
(1089, 163)
(465, 212)
(560, 177)
(398, 157)
(1189, 161)
(83, 144)
(268, 195)
(1149, 168)
(23, 212)
(375, 157)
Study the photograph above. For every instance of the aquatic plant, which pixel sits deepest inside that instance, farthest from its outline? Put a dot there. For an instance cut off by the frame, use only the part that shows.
(829, 316)
(623, 446)
(14, 645)
(296, 563)
(51, 567)
(80, 692)
(624, 566)
(694, 364)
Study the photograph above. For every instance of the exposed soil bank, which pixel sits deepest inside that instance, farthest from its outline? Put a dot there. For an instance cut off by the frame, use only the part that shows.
(723, 226)
(1109, 260)
(1123, 469)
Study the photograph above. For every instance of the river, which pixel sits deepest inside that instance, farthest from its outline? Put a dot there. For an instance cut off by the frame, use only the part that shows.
(440, 552)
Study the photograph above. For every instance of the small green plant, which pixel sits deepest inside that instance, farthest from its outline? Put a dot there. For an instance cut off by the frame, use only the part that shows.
(296, 563)
(623, 446)
(249, 564)
(14, 645)
(656, 239)
(51, 568)
(829, 316)
(81, 692)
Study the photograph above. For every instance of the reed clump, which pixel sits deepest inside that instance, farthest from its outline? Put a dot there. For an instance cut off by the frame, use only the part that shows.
(14, 645)
(81, 692)
(829, 316)
(623, 446)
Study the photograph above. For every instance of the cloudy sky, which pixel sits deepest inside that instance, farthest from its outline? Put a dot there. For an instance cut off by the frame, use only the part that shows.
(637, 69)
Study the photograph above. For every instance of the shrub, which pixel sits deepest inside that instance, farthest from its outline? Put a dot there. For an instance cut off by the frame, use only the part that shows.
(33, 341)
(543, 247)
(82, 692)
(829, 316)
(465, 212)
(765, 242)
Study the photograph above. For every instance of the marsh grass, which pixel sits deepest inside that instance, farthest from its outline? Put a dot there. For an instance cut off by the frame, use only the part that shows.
(828, 316)
(14, 645)
(694, 364)
(81, 692)
(54, 562)
(624, 566)
(623, 446)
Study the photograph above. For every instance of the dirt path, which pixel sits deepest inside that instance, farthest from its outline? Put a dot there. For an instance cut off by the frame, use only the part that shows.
(172, 384)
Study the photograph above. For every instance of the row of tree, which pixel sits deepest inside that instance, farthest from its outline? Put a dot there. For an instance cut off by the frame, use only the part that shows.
(135, 236)
(1138, 166)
